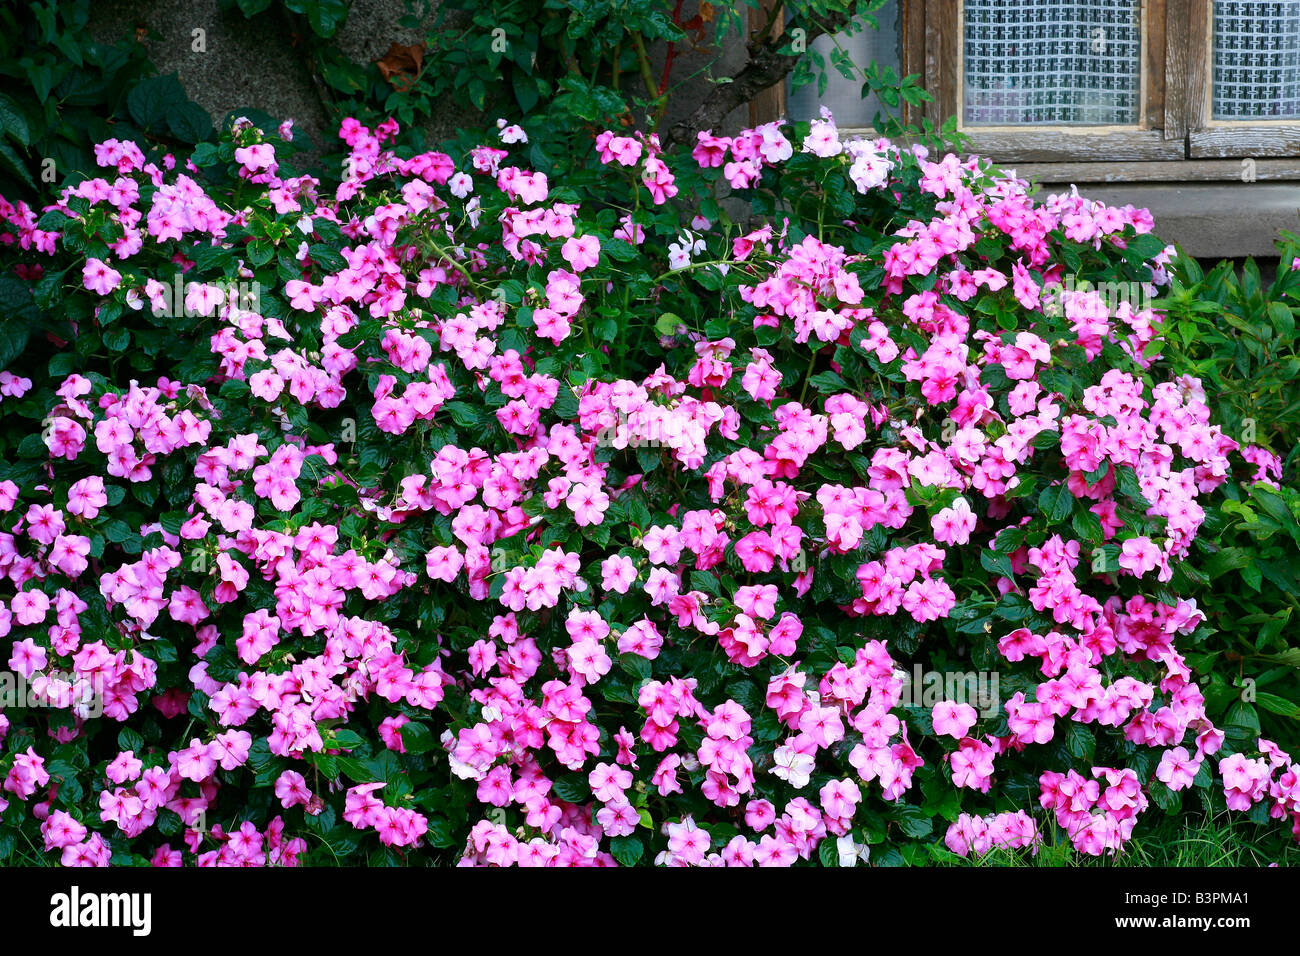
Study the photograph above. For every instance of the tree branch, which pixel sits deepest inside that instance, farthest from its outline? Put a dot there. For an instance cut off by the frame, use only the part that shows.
(766, 67)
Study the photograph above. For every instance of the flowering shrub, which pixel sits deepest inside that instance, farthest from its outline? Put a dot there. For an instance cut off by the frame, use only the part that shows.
(455, 515)
(1238, 333)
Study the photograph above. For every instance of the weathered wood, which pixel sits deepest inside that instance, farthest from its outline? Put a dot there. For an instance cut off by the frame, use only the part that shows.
(1187, 40)
(770, 104)
(942, 29)
(951, 28)
(1175, 112)
(1082, 144)
(1183, 170)
(1153, 64)
(913, 59)
(1237, 139)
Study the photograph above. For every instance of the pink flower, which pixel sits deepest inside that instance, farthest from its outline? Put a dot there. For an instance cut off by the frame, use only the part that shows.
(618, 573)
(581, 252)
(623, 149)
(954, 524)
(972, 765)
(125, 766)
(29, 607)
(589, 659)
(27, 657)
(953, 719)
(61, 830)
(588, 503)
(1139, 555)
(756, 552)
(99, 277)
(291, 789)
(1177, 769)
(86, 497)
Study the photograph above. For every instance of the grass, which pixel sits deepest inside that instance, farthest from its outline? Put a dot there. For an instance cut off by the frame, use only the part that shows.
(1212, 838)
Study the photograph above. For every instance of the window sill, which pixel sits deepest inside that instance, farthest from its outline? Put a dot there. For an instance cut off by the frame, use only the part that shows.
(1209, 220)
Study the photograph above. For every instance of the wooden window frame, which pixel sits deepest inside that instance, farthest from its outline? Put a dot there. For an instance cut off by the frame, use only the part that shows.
(1175, 139)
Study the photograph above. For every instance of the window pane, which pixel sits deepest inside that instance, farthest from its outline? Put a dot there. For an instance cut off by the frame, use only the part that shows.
(1256, 59)
(1048, 62)
(844, 97)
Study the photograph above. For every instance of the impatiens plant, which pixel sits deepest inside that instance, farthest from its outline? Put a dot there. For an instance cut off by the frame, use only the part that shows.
(455, 515)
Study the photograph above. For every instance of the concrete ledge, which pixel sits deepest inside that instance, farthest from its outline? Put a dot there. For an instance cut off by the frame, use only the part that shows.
(1209, 220)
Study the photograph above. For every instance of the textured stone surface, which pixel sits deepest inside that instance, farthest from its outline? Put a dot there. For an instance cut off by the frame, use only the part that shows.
(247, 64)
(259, 63)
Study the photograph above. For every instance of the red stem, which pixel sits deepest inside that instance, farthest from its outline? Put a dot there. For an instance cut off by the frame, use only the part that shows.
(672, 49)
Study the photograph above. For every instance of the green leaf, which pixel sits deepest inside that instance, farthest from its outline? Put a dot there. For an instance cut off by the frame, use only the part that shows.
(1244, 718)
(1087, 526)
(1009, 540)
(1056, 503)
(1079, 742)
(997, 562)
(1277, 705)
(117, 338)
(628, 850)
(348, 739)
(13, 121)
(1283, 319)
(14, 163)
(913, 822)
(190, 122)
(417, 738)
(828, 852)
(573, 788)
(17, 315)
(1143, 247)
(151, 101)
(636, 666)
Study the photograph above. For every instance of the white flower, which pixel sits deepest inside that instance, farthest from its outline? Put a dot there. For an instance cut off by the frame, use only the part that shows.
(460, 185)
(513, 134)
(850, 851)
(793, 767)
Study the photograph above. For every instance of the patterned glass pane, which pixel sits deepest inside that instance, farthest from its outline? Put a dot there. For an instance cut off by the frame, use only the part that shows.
(1049, 62)
(1256, 59)
(844, 97)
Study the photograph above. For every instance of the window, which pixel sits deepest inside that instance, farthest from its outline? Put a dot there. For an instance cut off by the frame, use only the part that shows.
(1256, 60)
(1095, 89)
(1043, 63)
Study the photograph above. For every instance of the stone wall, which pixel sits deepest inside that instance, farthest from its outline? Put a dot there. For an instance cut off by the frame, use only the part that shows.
(256, 63)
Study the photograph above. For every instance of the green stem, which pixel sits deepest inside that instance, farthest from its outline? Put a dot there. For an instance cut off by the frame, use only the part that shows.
(647, 74)
(807, 375)
(446, 256)
(694, 265)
